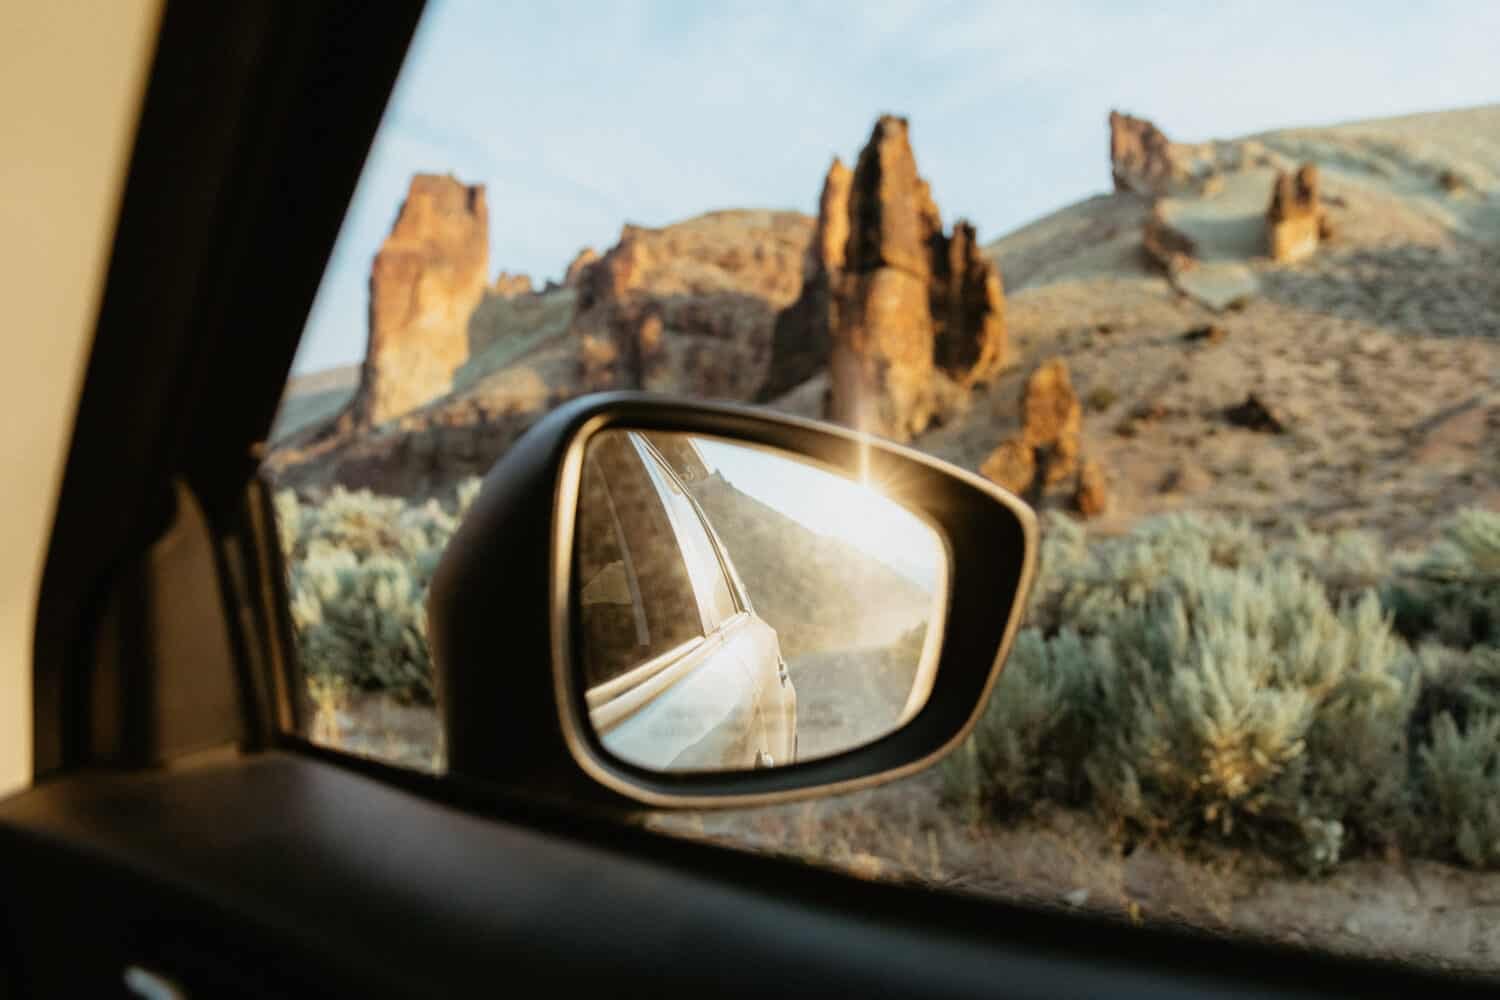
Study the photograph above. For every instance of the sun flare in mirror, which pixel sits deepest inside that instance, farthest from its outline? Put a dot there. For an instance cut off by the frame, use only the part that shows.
(854, 510)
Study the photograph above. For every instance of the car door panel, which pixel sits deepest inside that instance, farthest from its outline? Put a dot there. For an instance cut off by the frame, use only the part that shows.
(693, 714)
(755, 643)
(293, 873)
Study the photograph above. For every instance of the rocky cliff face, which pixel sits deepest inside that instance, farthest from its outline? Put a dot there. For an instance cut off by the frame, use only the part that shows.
(1375, 354)
(1142, 159)
(1359, 352)
(802, 338)
(690, 308)
(508, 286)
(428, 451)
(968, 311)
(1295, 221)
(1047, 451)
(1167, 249)
(426, 280)
(578, 265)
(916, 316)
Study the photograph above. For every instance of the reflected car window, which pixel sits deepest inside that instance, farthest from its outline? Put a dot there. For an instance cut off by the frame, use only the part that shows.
(634, 584)
(715, 599)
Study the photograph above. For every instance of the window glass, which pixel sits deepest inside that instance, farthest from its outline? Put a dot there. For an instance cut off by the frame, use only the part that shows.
(702, 556)
(1227, 316)
(634, 577)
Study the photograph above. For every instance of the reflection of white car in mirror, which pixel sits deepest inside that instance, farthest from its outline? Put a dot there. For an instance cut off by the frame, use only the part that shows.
(679, 671)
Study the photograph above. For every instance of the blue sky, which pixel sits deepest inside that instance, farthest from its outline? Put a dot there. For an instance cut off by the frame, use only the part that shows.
(579, 117)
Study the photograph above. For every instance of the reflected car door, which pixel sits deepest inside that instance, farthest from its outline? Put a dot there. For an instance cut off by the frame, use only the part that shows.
(691, 705)
(729, 613)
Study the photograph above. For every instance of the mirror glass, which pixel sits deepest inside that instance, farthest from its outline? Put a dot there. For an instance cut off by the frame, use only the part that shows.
(740, 607)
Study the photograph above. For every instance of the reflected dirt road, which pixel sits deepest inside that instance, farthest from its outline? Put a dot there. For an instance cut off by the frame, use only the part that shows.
(848, 697)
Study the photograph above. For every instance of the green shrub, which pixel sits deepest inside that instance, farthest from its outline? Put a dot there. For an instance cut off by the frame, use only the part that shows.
(1347, 563)
(1025, 747)
(1194, 679)
(1230, 694)
(358, 569)
(1314, 696)
(1456, 682)
(1459, 780)
(1451, 593)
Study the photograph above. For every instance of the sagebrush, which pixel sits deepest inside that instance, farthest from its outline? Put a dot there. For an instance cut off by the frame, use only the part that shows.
(1315, 696)
(358, 570)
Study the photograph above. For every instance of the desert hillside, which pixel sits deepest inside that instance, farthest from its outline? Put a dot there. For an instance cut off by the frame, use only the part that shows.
(1379, 354)
(314, 398)
(1368, 357)
(705, 294)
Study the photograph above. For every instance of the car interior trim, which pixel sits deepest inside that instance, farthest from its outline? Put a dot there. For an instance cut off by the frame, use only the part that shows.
(191, 873)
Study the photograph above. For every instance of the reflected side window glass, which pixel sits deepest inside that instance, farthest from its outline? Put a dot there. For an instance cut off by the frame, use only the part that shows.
(636, 597)
(702, 555)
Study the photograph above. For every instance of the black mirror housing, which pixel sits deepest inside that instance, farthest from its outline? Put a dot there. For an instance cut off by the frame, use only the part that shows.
(499, 616)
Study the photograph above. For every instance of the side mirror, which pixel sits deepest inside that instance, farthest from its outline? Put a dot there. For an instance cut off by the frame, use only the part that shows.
(692, 604)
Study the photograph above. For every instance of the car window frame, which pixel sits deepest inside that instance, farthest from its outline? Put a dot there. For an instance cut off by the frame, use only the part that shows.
(654, 660)
(664, 479)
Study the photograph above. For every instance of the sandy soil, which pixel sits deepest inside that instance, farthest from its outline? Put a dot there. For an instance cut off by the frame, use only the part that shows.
(1408, 910)
(374, 725)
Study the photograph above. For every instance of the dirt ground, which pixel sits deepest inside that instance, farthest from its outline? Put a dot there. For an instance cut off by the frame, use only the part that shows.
(849, 697)
(373, 725)
(1413, 911)
(1384, 430)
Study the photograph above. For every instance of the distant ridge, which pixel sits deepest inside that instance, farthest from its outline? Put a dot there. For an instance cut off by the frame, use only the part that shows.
(313, 397)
